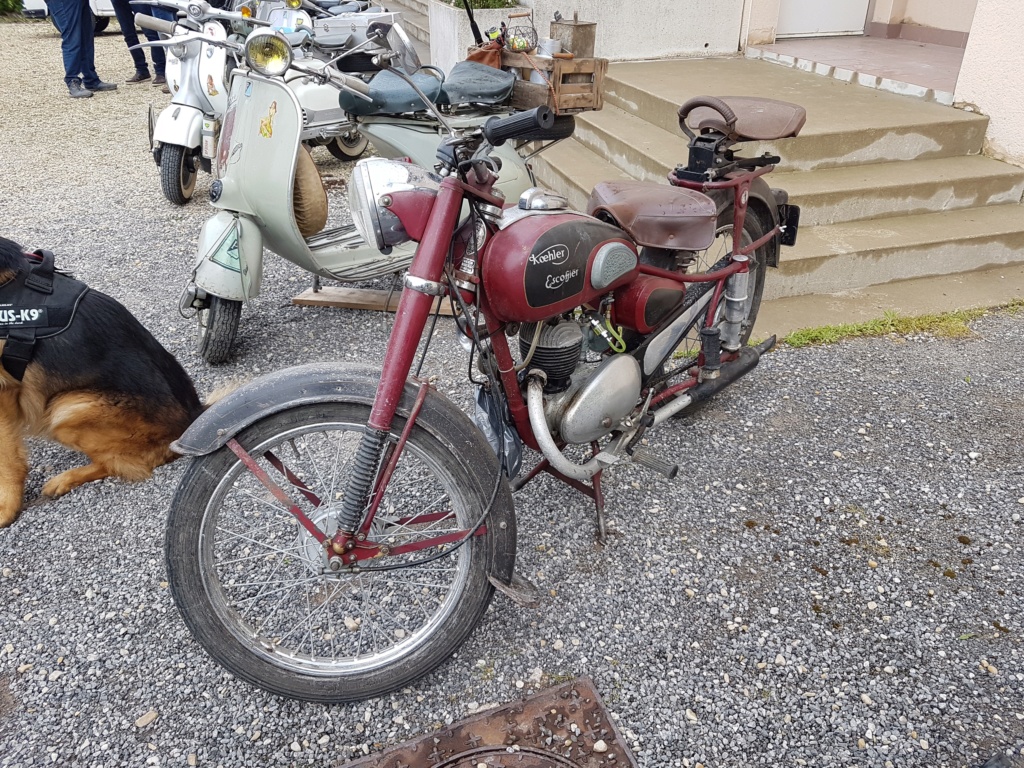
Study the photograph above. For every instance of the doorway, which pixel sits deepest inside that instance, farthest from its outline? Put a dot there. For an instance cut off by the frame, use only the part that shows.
(814, 18)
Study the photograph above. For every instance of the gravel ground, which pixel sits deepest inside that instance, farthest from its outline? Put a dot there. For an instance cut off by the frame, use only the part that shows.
(834, 579)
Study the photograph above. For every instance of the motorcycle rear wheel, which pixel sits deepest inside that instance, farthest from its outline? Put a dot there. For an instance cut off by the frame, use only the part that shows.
(251, 583)
(349, 146)
(714, 257)
(177, 181)
(218, 326)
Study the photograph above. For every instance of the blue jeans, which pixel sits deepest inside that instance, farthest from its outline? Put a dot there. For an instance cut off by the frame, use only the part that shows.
(74, 19)
(125, 13)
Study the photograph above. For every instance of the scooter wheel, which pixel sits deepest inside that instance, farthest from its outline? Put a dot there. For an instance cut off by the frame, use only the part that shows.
(218, 326)
(348, 147)
(178, 173)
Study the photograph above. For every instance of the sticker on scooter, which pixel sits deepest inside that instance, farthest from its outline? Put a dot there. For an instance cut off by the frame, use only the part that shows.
(248, 89)
(267, 123)
(211, 89)
(226, 252)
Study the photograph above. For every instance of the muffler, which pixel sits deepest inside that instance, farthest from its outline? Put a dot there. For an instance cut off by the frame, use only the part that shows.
(746, 360)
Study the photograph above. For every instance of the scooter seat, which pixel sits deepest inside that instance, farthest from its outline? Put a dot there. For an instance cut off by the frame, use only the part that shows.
(473, 83)
(391, 95)
(657, 215)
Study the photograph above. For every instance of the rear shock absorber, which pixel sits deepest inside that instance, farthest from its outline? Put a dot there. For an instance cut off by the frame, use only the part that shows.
(735, 307)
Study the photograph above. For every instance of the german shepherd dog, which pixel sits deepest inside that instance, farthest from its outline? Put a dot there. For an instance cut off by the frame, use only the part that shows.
(104, 387)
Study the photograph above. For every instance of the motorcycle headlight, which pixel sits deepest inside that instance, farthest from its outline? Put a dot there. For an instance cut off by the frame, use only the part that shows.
(268, 52)
(373, 183)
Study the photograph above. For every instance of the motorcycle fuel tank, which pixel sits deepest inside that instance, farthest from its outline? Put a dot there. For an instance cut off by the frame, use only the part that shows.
(541, 265)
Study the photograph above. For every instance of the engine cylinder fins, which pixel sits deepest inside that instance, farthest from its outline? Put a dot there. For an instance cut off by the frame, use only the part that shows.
(557, 351)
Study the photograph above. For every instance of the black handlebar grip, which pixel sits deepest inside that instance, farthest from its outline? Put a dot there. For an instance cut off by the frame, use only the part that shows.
(145, 21)
(498, 130)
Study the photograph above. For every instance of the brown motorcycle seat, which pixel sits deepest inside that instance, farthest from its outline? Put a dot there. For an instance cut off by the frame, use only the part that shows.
(756, 119)
(656, 215)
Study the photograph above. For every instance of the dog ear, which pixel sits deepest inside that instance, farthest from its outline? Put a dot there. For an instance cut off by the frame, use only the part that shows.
(11, 258)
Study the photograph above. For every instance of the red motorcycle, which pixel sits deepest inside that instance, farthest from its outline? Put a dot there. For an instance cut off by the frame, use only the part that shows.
(340, 531)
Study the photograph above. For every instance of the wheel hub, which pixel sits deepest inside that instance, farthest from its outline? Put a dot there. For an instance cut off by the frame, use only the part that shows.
(313, 553)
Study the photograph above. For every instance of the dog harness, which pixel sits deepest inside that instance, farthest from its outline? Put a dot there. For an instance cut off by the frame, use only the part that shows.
(37, 303)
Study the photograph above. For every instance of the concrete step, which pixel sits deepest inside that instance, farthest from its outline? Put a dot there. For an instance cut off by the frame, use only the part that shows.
(846, 124)
(572, 169)
(881, 190)
(828, 196)
(852, 255)
(414, 20)
(417, 6)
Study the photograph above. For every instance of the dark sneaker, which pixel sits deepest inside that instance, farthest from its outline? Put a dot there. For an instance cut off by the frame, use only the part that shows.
(101, 86)
(140, 76)
(159, 80)
(76, 91)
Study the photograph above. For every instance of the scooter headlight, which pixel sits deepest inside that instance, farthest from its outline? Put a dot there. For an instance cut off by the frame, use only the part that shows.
(374, 182)
(268, 52)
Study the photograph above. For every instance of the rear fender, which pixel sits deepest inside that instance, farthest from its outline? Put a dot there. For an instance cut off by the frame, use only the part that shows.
(762, 203)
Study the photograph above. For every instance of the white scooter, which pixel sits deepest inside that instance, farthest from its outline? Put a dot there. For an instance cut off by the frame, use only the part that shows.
(270, 194)
(183, 137)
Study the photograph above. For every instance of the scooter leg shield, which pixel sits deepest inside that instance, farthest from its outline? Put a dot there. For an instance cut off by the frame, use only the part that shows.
(229, 260)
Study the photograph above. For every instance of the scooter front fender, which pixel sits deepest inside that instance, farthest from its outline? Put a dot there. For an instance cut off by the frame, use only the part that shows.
(229, 260)
(179, 124)
(294, 387)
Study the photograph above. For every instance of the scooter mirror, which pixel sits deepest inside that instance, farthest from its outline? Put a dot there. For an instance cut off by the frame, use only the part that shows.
(393, 37)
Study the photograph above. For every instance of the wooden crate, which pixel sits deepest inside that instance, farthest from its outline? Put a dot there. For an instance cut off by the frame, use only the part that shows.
(577, 85)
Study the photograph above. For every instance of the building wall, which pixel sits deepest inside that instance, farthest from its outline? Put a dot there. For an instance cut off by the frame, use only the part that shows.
(954, 15)
(648, 29)
(991, 76)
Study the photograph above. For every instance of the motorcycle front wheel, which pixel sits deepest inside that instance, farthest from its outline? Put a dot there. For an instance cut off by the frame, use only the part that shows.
(218, 326)
(349, 146)
(252, 584)
(177, 178)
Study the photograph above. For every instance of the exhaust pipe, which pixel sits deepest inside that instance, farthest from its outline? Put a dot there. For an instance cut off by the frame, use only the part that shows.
(746, 360)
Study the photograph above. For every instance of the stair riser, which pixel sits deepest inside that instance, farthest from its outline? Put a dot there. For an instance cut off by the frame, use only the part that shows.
(810, 151)
(548, 175)
(838, 206)
(623, 155)
(414, 30)
(417, 5)
(851, 271)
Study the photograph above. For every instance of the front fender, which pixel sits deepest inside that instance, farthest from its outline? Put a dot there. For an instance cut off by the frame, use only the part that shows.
(274, 392)
(179, 124)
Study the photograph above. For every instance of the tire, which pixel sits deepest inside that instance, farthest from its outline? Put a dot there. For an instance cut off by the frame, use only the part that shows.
(176, 180)
(348, 147)
(251, 584)
(100, 24)
(218, 326)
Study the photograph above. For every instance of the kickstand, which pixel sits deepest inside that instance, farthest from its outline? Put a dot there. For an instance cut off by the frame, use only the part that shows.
(593, 490)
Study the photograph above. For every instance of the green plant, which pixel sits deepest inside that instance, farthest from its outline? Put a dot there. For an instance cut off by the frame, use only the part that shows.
(10, 6)
(458, 3)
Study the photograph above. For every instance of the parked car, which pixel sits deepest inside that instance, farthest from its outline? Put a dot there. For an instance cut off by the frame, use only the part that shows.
(102, 11)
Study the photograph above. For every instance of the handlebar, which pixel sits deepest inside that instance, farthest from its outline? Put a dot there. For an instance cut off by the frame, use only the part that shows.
(348, 82)
(498, 130)
(145, 21)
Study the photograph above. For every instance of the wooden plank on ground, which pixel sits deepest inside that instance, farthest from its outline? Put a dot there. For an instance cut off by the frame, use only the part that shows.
(358, 298)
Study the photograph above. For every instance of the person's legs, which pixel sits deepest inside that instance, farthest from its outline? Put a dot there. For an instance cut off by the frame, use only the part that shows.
(159, 58)
(125, 14)
(68, 15)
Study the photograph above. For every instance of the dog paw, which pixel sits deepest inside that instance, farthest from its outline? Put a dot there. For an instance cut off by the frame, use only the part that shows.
(8, 514)
(59, 485)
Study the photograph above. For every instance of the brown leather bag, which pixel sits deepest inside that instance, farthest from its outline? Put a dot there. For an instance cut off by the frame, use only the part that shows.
(488, 53)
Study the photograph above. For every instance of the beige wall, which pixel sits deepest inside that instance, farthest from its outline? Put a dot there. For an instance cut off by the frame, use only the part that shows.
(760, 18)
(955, 15)
(992, 74)
(648, 29)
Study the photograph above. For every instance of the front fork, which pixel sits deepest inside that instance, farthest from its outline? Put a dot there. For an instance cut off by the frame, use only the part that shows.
(423, 282)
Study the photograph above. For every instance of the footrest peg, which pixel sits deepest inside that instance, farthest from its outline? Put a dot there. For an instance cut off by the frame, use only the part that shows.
(661, 466)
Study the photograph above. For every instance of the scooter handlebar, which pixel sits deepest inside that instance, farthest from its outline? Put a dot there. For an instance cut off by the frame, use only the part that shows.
(145, 21)
(348, 82)
(498, 130)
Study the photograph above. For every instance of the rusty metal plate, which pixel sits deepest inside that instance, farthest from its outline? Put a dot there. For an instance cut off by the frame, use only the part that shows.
(563, 727)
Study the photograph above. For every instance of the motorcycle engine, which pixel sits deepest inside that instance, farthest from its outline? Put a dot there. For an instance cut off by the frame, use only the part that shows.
(582, 401)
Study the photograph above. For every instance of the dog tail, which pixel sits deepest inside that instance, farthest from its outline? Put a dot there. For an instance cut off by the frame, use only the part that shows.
(222, 391)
